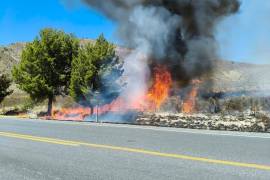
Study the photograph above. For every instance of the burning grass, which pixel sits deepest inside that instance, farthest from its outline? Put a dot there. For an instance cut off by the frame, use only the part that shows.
(152, 101)
(159, 98)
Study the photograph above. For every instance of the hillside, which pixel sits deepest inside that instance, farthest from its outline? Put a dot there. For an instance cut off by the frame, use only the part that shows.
(228, 76)
(232, 76)
(9, 56)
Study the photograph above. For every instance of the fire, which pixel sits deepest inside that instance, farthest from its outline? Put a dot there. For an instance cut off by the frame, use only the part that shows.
(159, 91)
(189, 103)
(151, 101)
(155, 97)
(75, 114)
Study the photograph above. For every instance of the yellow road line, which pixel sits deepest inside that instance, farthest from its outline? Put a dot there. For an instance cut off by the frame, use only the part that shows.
(134, 150)
(40, 139)
(179, 156)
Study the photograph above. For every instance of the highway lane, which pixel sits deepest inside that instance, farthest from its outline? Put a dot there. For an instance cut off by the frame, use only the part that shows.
(36, 149)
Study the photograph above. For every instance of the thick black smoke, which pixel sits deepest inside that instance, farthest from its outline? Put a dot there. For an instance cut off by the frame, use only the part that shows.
(177, 33)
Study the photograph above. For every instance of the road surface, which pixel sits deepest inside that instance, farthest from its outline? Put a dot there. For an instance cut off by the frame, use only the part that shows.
(38, 149)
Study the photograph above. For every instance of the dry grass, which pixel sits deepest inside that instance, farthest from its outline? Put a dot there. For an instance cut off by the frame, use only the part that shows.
(15, 99)
(20, 102)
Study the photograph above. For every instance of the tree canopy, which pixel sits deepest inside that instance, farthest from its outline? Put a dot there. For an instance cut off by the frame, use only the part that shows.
(45, 67)
(5, 82)
(95, 73)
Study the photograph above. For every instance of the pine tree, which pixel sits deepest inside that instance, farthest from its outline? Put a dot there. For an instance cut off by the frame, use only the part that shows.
(95, 73)
(45, 68)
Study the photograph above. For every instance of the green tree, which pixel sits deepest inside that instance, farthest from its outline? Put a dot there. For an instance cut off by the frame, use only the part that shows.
(95, 73)
(5, 82)
(45, 68)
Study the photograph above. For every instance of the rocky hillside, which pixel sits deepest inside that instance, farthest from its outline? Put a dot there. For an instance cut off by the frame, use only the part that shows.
(228, 76)
(235, 77)
(9, 56)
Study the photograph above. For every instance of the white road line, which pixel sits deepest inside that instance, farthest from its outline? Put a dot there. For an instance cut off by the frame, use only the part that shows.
(190, 131)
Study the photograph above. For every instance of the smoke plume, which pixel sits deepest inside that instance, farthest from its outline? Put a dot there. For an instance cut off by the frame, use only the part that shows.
(177, 33)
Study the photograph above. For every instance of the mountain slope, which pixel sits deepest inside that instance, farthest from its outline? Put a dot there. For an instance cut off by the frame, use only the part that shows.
(227, 76)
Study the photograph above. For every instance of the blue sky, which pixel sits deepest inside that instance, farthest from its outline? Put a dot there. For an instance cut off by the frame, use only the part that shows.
(21, 20)
(244, 37)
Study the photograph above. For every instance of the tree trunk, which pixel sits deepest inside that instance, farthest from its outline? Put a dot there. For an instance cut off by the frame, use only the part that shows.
(50, 102)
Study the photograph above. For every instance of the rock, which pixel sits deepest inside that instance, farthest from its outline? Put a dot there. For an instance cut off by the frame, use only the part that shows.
(33, 116)
(237, 122)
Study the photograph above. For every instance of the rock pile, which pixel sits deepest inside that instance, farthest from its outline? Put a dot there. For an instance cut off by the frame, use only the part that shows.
(249, 122)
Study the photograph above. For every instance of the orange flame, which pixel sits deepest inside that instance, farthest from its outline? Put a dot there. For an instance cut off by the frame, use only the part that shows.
(159, 91)
(189, 103)
(157, 94)
(75, 114)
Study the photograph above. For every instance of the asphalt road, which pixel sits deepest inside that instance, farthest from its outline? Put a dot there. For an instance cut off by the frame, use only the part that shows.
(37, 150)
